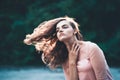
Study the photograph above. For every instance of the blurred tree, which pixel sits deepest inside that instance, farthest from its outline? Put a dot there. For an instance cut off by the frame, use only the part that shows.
(99, 22)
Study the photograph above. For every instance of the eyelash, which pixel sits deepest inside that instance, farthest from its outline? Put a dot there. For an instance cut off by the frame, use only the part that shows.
(64, 27)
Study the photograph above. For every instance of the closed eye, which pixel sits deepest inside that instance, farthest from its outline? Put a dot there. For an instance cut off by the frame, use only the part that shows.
(64, 26)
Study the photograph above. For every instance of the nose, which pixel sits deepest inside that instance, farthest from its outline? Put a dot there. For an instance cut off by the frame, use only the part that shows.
(60, 30)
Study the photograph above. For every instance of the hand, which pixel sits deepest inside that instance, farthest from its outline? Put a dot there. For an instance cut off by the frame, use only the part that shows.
(73, 55)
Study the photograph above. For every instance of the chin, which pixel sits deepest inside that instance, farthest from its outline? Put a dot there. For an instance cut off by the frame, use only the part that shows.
(63, 39)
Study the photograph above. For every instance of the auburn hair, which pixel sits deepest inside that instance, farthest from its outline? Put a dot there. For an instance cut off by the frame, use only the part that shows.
(44, 34)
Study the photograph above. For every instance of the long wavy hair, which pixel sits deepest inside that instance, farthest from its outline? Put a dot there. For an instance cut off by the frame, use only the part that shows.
(44, 34)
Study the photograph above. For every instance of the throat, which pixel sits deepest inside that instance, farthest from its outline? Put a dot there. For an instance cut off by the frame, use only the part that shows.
(70, 43)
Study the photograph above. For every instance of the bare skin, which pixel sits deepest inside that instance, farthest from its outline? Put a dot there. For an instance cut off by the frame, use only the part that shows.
(85, 60)
(66, 34)
(72, 61)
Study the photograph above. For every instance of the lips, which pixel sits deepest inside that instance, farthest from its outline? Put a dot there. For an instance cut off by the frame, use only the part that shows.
(61, 34)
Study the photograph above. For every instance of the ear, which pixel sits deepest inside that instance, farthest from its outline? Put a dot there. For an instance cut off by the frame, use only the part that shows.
(75, 31)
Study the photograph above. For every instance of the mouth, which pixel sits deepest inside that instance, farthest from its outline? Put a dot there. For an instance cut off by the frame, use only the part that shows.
(61, 34)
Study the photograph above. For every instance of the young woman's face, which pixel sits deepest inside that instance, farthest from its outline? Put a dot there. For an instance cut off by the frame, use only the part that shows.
(64, 31)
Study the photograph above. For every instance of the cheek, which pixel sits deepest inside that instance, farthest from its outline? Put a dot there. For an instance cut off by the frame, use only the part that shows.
(57, 35)
(69, 32)
(69, 35)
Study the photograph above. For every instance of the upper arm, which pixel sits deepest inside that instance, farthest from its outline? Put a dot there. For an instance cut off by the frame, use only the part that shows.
(98, 62)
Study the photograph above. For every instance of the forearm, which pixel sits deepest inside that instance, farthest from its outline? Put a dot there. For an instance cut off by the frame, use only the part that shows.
(73, 71)
(73, 55)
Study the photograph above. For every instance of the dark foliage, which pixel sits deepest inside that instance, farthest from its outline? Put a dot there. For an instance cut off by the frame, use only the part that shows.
(99, 20)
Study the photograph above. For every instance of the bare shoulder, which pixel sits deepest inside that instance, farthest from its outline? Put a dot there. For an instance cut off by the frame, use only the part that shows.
(89, 46)
(92, 45)
(94, 49)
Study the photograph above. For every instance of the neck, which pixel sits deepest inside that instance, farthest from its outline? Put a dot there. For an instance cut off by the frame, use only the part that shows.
(70, 42)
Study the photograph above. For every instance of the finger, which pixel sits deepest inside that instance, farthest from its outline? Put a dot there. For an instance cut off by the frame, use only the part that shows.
(77, 51)
(76, 47)
(73, 47)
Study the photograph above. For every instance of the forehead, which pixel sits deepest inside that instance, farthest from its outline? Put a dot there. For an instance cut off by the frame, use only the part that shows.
(61, 23)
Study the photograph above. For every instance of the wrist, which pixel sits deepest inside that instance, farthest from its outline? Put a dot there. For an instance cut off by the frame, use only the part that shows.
(72, 62)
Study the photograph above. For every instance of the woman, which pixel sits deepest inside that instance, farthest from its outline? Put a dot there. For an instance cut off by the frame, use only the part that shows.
(62, 45)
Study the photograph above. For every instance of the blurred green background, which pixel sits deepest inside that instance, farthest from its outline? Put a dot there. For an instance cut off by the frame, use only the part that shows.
(99, 22)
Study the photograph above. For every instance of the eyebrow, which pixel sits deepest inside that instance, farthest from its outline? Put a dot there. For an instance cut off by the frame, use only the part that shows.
(62, 26)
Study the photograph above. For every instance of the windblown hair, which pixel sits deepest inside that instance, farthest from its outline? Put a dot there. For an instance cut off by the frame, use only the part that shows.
(45, 34)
